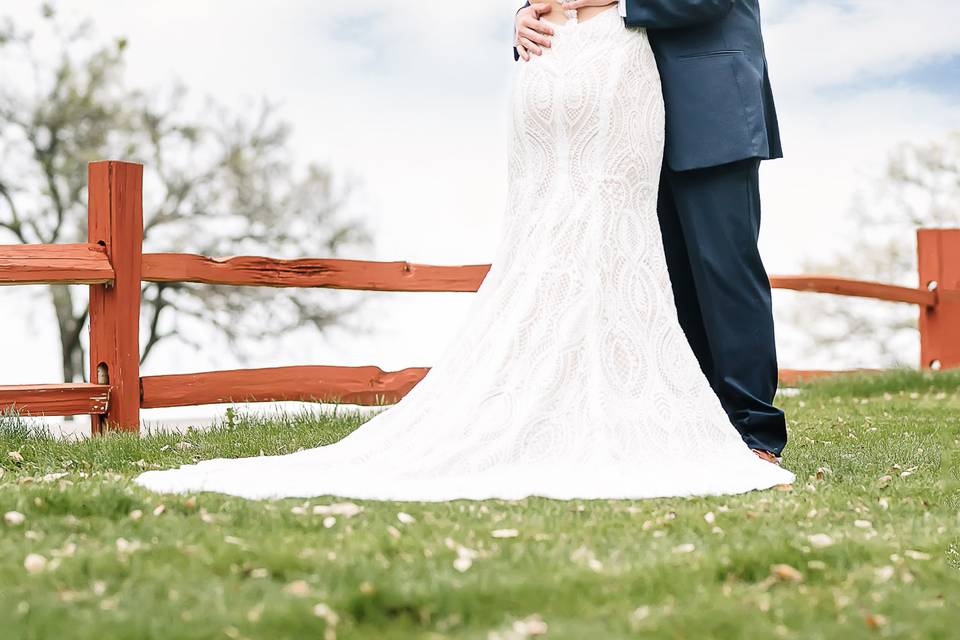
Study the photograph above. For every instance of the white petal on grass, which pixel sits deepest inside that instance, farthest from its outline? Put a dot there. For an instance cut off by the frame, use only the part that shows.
(462, 563)
(883, 574)
(505, 533)
(253, 615)
(640, 613)
(34, 563)
(916, 555)
(345, 509)
(406, 518)
(14, 518)
(820, 540)
(125, 547)
(297, 588)
(685, 548)
(585, 556)
(322, 610)
(531, 626)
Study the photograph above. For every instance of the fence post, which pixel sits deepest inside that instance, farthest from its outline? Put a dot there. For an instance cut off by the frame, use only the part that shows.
(115, 221)
(938, 252)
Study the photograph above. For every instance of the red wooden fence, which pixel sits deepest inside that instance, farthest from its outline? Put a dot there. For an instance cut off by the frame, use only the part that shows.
(113, 264)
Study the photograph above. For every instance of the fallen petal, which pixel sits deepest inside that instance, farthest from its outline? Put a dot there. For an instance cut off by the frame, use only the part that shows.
(820, 540)
(34, 563)
(786, 572)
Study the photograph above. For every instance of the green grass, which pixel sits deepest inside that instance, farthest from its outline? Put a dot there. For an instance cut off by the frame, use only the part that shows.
(209, 566)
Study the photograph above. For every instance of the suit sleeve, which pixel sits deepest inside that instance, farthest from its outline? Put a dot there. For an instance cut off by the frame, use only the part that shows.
(674, 14)
(516, 54)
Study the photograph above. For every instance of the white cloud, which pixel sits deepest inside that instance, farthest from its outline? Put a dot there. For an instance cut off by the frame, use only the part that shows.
(816, 44)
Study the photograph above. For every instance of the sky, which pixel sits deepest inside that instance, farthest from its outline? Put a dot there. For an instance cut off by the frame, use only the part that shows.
(409, 99)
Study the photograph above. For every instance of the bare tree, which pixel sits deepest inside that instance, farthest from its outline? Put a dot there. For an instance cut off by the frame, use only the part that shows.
(919, 188)
(216, 183)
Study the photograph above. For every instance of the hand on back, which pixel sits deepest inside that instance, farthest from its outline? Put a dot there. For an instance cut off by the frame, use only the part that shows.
(532, 33)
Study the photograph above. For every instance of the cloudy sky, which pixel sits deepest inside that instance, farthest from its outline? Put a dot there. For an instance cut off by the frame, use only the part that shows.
(409, 98)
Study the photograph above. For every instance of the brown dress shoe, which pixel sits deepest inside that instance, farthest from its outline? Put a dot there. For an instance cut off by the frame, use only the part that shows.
(766, 456)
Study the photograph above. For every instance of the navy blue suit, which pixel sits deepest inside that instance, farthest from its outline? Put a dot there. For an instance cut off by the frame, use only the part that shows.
(720, 123)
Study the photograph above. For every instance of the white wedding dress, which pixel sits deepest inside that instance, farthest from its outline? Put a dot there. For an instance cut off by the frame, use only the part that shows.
(571, 377)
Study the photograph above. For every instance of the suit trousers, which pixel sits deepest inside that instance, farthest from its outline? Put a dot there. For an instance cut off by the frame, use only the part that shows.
(710, 222)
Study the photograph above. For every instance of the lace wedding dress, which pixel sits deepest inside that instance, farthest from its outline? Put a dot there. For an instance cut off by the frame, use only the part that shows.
(571, 377)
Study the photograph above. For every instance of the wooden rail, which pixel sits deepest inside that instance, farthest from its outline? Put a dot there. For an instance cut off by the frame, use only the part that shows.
(54, 263)
(309, 272)
(56, 399)
(856, 288)
(349, 385)
(113, 264)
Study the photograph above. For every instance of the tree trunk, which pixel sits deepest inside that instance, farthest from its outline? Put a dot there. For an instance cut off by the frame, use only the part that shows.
(70, 325)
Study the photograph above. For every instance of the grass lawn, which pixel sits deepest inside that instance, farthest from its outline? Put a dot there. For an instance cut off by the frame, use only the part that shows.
(866, 544)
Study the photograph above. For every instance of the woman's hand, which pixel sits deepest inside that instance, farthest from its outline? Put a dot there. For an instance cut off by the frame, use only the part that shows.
(531, 32)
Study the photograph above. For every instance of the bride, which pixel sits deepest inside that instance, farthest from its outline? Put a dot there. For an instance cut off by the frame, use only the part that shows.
(571, 377)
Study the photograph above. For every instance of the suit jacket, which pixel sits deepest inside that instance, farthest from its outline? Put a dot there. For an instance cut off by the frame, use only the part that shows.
(713, 69)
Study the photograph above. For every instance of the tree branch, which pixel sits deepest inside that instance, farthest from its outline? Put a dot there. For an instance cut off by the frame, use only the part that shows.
(16, 225)
(155, 336)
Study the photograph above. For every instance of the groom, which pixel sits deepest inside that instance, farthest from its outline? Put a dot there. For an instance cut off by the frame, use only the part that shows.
(720, 123)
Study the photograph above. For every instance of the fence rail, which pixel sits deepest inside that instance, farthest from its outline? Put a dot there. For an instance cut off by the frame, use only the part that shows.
(311, 272)
(856, 288)
(350, 385)
(54, 264)
(71, 399)
(113, 264)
